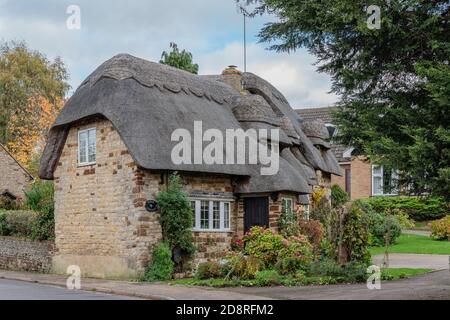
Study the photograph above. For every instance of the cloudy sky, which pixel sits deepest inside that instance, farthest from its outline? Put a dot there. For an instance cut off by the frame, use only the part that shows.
(211, 29)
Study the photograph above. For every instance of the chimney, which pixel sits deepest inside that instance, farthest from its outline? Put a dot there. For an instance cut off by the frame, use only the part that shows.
(233, 77)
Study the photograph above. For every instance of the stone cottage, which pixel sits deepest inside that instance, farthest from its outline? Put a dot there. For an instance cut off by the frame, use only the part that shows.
(110, 153)
(14, 178)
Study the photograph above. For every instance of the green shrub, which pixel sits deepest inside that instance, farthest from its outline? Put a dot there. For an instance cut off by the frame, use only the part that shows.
(4, 231)
(242, 267)
(352, 272)
(176, 217)
(325, 267)
(162, 266)
(321, 212)
(295, 255)
(43, 226)
(267, 278)
(6, 203)
(17, 223)
(263, 244)
(208, 270)
(40, 197)
(338, 196)
(441, 229)
(355, 237)
(287, 224)
(314, 230)
(418, 209)
(379, 224)
(355, 272)
(272, 248)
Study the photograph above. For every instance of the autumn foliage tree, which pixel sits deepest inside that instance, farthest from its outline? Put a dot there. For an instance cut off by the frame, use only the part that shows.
(32, 91)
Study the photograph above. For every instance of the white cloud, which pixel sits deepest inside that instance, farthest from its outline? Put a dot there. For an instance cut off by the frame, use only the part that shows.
(210, 29)
(293, 74)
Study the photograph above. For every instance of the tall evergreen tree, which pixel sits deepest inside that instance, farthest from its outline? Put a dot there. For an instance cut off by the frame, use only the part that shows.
(393, 80)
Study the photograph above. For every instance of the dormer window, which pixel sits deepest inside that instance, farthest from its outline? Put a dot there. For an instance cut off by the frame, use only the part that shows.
(87, 147)
(332, 130)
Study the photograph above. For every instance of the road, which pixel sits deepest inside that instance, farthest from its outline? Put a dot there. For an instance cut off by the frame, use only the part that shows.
(17, 290)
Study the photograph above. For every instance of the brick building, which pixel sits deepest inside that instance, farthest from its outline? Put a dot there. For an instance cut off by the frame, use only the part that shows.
(360, 178)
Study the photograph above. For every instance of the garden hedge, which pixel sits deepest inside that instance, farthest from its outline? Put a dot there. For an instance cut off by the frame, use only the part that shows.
(417, 208)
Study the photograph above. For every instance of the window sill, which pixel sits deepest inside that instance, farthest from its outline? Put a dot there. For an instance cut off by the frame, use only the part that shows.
(82, 165)
(211, 231)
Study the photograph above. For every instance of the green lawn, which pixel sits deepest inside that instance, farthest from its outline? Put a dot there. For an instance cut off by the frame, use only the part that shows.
(415, 244)
(401, 273)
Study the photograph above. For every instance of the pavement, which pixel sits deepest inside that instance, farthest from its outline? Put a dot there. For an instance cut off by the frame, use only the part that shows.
(415, 261)
(432, 286)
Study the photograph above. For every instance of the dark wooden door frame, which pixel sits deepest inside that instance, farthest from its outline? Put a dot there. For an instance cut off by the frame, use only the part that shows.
(256, 212)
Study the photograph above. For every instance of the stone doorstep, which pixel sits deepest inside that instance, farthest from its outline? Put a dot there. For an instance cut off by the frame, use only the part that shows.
(132, 289)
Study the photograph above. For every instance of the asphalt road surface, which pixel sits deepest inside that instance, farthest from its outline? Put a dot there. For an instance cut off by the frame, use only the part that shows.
(17, 290)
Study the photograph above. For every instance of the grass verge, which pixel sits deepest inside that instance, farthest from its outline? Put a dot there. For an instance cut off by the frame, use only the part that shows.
(407, 243)
(402, 273)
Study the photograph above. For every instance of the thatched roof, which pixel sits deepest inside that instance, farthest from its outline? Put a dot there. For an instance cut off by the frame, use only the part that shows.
(317, 132)
(280, 105)
(147, 101)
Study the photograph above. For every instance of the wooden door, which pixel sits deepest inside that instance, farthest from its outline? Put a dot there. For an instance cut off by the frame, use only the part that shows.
(256, 212)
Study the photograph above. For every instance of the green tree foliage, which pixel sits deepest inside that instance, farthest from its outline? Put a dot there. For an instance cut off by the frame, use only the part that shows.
(338, 196)
(40, 199)
(32, 89)
(394, 82)
(182, 60)
(176, 216)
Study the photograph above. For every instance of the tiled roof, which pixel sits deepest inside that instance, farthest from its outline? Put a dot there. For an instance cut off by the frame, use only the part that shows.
(325, 114)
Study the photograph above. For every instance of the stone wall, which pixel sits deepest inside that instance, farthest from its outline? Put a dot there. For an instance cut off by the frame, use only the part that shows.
(12, 176)
(101, 221)
(25, 255)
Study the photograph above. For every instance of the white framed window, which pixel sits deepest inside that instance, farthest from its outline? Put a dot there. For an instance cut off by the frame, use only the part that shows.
(287, 205)
(306, 212)
(383, 181)
(211, 215)
(87, 147)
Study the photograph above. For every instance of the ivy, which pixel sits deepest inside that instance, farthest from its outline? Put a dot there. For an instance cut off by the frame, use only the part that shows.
(176, 217)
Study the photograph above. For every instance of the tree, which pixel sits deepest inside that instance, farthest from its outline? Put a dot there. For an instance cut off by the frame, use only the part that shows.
(32, 91)
(182, 60)
(393, 81)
